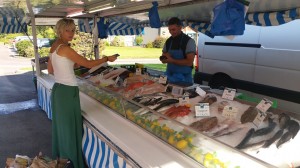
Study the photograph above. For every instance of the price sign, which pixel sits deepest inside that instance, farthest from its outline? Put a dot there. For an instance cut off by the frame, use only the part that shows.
(184, 100)
(138, 71)
(101, 75)
(125, 83)
(177, 91)
(230, 112)
(229, 93)
(264, 105)
(162, 79)
(259, 118)
(202, 109)
(110, 69)
(200, 91)
(117, 80)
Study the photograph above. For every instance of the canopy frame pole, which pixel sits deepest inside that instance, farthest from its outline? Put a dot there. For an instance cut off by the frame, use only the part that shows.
(96, 42)
(36, 54)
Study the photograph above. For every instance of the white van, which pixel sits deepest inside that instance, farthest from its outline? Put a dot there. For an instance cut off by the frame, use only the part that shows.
(265, 60)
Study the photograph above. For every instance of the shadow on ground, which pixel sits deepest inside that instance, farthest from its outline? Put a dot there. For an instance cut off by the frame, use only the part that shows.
(25, 131)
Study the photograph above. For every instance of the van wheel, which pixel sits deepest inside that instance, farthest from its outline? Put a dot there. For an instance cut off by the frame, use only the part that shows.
(220, 81)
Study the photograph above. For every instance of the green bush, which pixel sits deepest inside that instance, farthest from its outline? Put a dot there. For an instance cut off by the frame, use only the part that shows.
(29, 52)
(159, 42)
(117, 42)
(106, 43)
(149, 45)
(22, 46)
(44, 52)
(138, 40)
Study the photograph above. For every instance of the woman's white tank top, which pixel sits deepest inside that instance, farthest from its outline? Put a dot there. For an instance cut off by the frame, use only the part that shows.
(63, 69)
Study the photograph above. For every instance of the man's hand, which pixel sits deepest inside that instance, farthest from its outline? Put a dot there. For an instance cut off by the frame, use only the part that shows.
(168, 58)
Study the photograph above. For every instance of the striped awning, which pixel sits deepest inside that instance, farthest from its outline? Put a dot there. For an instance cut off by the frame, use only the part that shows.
(201, 27)
(123, 29)
(12, 20)
(114, 28)
(258, 19)
(272, 18)
(122, 25)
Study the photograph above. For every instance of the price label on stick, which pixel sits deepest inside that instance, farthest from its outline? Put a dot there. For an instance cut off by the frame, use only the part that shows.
(200, 91)
(162, 79)
(125, 83)
(229, 93)
(202, 109)
(117, 80)
(264, 105)
(259, 118)
(229, 112)
(184, 100)
(138, 71)
(101, 75)
(177, 91)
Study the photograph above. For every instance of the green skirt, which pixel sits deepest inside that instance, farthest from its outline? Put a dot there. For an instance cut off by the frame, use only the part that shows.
(67, 124)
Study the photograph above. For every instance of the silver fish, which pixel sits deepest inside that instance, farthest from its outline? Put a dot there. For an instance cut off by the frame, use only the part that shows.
(283, 120)
(253, 146)
(293, 127)
(266, 130)
(226, 131)
(246, 139)
(284, 138)
(275, 137)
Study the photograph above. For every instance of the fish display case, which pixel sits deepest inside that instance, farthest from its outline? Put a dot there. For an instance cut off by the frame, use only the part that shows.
(150, 125)
(211, 141)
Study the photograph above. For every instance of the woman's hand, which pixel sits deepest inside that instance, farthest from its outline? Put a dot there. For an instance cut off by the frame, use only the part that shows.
(111, 58)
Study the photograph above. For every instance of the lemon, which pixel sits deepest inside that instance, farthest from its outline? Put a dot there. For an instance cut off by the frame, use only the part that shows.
(178, 136)
(105, 102)
(171, 140)
(190, 139)
(182, 144)
(129, 112)
(208, 156)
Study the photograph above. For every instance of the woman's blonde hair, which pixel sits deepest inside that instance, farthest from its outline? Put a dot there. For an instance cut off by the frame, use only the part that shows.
(63, 24)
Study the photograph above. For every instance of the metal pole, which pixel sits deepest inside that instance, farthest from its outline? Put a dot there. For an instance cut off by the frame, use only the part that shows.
(36, 54)
(96, 41)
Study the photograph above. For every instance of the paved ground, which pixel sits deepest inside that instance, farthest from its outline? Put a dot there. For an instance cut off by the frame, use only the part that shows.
(24, 127)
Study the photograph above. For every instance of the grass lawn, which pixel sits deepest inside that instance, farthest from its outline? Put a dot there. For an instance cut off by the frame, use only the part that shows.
(159, 67)
(133, 52)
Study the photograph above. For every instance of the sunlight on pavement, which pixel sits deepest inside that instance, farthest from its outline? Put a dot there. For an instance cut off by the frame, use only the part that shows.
(17, 106)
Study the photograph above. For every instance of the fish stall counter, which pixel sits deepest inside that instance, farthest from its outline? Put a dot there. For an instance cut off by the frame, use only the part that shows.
(109, 140)
(120, 132)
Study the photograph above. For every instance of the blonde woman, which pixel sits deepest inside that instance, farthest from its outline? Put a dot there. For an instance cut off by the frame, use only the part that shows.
(66, 117)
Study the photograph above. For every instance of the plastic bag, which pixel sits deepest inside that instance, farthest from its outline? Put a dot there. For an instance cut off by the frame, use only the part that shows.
(102, 25)
(153, 16)
(228, 19)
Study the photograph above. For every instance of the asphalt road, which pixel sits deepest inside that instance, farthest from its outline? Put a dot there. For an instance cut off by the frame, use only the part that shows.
(24, 127)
